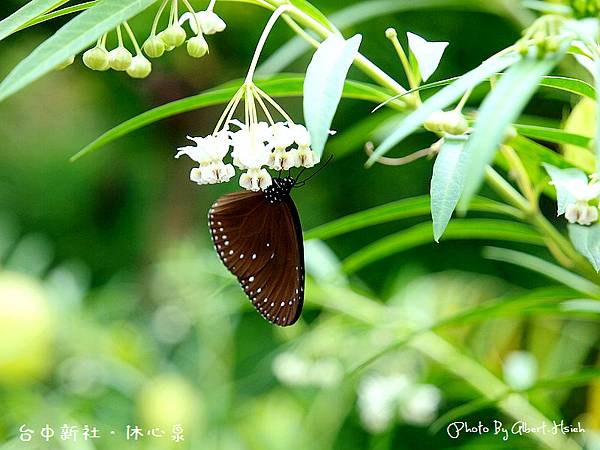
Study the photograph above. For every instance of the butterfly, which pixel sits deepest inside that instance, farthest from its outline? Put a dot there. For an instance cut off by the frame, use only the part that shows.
(258, 237)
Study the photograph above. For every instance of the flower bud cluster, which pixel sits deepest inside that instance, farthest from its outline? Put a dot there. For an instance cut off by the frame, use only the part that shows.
(201, 23)
(119, 58)
(585, 8)
(451, 122)
(542, 38)
(174, 35)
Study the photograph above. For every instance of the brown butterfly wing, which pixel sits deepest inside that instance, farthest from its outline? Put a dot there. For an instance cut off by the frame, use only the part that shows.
(261, 244)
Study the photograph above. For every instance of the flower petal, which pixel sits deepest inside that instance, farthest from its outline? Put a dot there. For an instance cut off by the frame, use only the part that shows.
(427, 54)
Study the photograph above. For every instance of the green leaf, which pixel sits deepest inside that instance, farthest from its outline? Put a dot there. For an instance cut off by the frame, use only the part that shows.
(73, 37)
(544, 267)
(537, 153)
(442, 99)
(324, 84)
(597, 140)
(446, 183)
(561, 179)
(581, 120)
(309, 9)
(587, 242)
(27, 12)
(401, 209)
(549, 300)
(458, 229)
(501, 107)
(280, 86)
(572, 85)
(553, 135)
(59, 13)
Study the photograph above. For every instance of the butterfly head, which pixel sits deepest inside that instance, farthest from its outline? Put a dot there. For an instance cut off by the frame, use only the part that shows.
(280, 189)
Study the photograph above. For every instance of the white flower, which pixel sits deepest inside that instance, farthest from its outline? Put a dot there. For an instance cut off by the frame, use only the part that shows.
(209, 152)
(581, 213)
(583, 191)
(301, 135)
(282, 136)
(211, 173)
(210, 23)
(520, 370)
(305, 157)
(427, 54)
(256, 179)
(208, 149)
(280, 159)
(378, 398)
(249, 148)
(421, 404)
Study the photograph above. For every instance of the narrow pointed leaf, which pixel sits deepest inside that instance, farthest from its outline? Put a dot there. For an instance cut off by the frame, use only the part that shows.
(501, 107)
(458, 229)
(441, 100)
(597, 140)
(401, 209)
(27, 12)
(73, 37)
(324, 84)
(553, 135)
(545, 268)
(446, 184)
(278, 86)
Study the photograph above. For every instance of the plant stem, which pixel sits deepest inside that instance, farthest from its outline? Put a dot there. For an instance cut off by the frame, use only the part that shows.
(506, 191)
(364, 64)
(157, 17)
(263, 38)
(132, 38)
(195, 17)
(392, 35)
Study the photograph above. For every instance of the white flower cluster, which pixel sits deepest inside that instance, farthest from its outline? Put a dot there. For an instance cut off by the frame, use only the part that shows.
(382, 399)
(584, 193)
(255, 147)
(295, 370)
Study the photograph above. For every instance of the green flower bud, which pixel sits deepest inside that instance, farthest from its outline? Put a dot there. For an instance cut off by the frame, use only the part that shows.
(522, 48)
(434, 122)
(197, 46)
(154, 47)
(391, 33)
(66, 63)
(96, 58)
(140, 67)
(173, 36)
(454, 123)
(552, 44)
(119, 58)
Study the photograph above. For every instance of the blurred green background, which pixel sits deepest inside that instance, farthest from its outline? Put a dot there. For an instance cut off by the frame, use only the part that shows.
(114, 311)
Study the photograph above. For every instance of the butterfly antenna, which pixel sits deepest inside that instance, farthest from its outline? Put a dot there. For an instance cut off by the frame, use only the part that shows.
(297, 178)
(301, 183)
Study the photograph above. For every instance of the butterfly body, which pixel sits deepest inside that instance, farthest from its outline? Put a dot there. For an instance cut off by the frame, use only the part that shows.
(258, 237)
